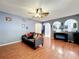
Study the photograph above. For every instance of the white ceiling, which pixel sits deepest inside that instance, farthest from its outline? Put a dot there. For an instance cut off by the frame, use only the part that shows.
(57, 8)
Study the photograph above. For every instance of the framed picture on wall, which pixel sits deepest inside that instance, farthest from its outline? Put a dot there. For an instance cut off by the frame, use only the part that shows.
(8, 18)
(24, 26)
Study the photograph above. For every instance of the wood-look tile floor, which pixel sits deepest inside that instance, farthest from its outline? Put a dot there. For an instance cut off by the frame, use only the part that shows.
(52, 49)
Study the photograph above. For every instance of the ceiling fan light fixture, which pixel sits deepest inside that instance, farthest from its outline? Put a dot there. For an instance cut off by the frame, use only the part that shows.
(40, 13)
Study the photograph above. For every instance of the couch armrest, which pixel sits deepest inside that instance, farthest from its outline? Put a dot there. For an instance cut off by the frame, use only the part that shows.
(38, 42)
(24, 37)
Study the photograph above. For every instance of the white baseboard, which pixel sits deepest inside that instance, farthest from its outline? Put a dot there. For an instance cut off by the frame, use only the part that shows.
(10, 43)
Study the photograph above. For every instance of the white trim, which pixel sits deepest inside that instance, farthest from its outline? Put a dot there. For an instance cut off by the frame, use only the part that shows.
(10, 43)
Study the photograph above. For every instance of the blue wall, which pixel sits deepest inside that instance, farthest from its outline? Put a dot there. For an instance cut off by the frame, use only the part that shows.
(13, 30)
(62, 20)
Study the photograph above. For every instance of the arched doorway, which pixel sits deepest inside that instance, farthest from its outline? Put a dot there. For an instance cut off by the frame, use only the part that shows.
(71, 25)
(56, 26)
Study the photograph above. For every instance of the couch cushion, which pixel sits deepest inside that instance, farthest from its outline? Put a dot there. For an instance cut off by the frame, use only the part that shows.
(32, 40)
(35, 36)
(29, 34)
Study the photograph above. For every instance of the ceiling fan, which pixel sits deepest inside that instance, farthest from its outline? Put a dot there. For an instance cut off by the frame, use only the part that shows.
(39, 13)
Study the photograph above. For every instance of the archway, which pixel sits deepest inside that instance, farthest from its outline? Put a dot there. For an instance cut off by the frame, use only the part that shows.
(56, 26)
(71, 25)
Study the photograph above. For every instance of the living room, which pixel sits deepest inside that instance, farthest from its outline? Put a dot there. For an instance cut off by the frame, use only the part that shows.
(39, 29)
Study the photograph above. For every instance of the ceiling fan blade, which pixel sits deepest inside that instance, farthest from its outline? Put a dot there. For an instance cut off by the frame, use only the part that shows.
(45, 13)
(30, 12)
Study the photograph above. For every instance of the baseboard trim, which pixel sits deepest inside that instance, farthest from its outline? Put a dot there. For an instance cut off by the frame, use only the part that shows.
(10, 43)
